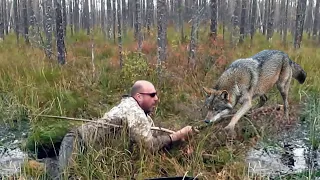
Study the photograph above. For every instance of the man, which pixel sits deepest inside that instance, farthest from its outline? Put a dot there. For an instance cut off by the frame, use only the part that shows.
(133, 113)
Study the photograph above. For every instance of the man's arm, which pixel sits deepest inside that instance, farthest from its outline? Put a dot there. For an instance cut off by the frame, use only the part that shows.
(141, 131)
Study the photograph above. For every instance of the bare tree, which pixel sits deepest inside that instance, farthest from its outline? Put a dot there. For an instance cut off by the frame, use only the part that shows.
(162, 31)
(243, 20)
(195, 24)
(308, 20)
(71, 16)
(102, 18)
(285, 25)
(253, 18)
(86, 19)
(235, 22)
(16, 18)
(213, 26)
(149, 15)
(76, 16)
(119, 33)
(109, 18)
(1, 21)
(301, 9)
(138, 35)
(270, 19)
(114, 20)
(64, 16)
(60, 35)
(125, 17)
(48, 21)
(265, 16)
(180, 17)
(315, 20)
(25, 21)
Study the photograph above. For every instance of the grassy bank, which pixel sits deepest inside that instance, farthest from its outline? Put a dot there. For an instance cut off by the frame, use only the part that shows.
(79, 90)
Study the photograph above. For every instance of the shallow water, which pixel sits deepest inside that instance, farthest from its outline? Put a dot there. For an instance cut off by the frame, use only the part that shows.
(11, 156)
(288, 153)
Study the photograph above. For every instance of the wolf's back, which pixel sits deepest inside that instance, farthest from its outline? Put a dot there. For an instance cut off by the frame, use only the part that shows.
(297, 72)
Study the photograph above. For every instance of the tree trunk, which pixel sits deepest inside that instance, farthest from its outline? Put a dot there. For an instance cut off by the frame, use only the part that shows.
(102, 18)
(285, 25)
(1, 21)
(316, 21)
(162, 31)
(16, 18)
(138, 25)
(60, 35)
(270, 19)
(213, 26)
(119, 33)
(301, 9)
(114, 18)
(180, 11)
(253, 18)
(243, 20)
(265, 16)
(25, 21)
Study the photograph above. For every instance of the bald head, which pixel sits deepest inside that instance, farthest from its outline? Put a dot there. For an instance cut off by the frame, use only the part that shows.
(145, 94)
(140, 86)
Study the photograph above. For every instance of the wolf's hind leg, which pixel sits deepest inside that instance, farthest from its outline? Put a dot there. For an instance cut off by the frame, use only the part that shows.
(283, 87)
(263, 100)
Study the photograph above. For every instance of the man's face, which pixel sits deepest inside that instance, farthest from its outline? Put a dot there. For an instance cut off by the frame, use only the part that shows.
(148, 98)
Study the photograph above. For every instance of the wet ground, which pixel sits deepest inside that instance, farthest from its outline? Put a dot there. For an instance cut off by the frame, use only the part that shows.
(289, 152)
(11, 155)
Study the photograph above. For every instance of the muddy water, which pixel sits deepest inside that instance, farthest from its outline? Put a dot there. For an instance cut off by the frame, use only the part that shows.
(288, 153)
(11, 156)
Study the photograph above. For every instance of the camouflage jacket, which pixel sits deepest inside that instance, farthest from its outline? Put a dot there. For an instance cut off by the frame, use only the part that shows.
(136, 125)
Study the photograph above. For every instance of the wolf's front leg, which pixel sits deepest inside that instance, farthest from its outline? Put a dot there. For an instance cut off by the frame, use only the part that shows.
(245, 107)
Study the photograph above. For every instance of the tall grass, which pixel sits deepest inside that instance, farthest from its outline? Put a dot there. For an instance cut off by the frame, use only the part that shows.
(43, 87)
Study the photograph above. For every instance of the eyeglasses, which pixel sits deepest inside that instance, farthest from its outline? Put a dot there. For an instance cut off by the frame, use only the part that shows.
(150, 94)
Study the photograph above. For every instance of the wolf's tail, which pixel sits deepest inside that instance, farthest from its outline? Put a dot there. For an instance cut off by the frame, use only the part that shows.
(298, 73)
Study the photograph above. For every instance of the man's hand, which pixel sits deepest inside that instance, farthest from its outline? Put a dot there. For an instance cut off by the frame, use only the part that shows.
(183, 133)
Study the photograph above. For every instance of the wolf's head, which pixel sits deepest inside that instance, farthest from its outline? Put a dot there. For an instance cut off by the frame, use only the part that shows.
(217, 104)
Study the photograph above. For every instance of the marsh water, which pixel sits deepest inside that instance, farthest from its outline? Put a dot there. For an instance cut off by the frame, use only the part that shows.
(290, 152)
(11, 155)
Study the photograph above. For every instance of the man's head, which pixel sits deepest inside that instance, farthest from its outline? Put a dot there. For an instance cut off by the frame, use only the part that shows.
(145, 94)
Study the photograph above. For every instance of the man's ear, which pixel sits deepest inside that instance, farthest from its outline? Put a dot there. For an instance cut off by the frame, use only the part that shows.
(224, 95)
(208, 91)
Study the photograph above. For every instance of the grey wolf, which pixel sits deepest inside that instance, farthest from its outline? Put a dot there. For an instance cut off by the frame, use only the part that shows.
(248, 78)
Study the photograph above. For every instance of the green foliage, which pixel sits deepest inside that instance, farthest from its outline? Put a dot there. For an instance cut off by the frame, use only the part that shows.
(135, 67)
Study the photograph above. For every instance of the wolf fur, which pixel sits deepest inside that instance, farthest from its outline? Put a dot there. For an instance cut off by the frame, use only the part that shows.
(248, 78)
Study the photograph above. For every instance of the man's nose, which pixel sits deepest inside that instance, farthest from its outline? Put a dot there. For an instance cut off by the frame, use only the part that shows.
(156, 98)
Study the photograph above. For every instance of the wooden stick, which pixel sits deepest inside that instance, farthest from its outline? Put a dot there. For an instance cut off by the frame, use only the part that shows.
(108, 124)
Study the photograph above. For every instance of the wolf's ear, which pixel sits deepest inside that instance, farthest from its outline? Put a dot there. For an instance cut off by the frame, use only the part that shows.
(224, 95)
(208, 91)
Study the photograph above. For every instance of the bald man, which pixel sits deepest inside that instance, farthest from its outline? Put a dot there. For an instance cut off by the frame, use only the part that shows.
(132, 113)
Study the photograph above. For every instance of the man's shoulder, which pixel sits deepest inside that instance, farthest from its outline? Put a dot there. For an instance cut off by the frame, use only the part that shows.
(127, 105)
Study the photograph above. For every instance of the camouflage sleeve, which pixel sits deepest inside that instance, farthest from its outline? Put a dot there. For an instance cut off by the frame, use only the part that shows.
(141, 131)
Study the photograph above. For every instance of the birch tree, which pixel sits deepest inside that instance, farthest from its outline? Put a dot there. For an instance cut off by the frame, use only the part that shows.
(162, 31)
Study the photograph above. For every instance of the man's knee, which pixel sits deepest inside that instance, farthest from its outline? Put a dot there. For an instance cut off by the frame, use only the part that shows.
(67, 149)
